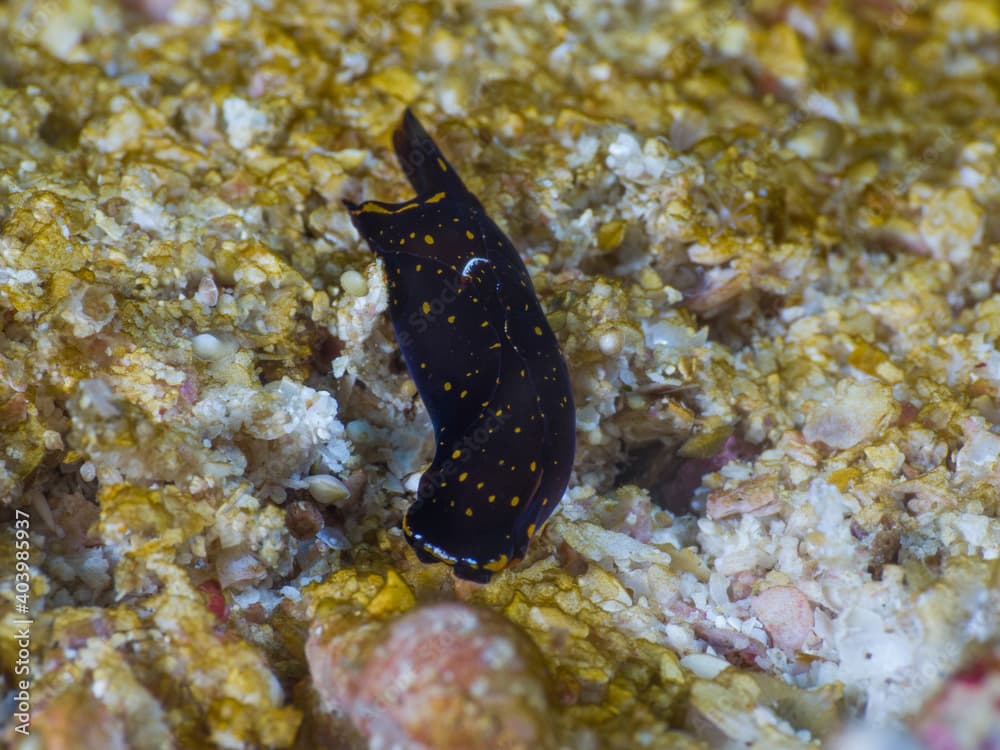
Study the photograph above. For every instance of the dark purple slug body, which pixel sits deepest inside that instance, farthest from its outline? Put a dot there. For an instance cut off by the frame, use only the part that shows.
(485, 362)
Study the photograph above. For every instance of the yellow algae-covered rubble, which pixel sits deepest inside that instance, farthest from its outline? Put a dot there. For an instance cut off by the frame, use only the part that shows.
(762, 233)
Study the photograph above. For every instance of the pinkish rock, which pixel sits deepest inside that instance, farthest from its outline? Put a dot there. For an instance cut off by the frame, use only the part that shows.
(786, 614)
(442, 677)
(965, 714)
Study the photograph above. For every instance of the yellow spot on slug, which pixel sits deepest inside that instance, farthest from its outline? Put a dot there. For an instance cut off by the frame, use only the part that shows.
(456, 453)
(538, 330)
(468, 512)
(447, 386)
(435, 198)
(469, 234)
(491, 498)
(531, 530)
(533, 466)
(463, 394)
(428, 239)
(426, 307)
(451, 318)
(514, 501)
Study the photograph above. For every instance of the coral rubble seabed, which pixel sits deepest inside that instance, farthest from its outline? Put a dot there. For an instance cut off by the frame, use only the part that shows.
(762, 234)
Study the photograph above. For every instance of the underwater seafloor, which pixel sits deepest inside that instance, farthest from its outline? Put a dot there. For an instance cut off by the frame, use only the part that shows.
(763, 233)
